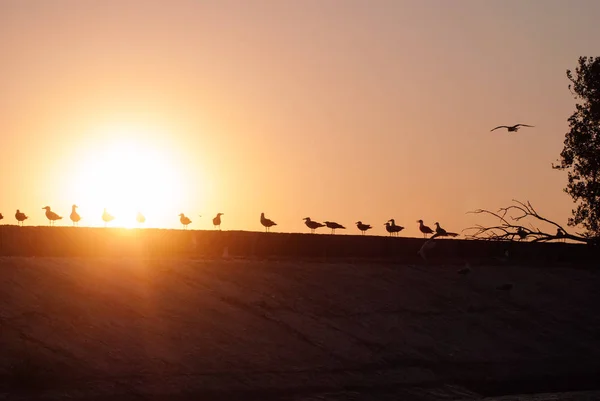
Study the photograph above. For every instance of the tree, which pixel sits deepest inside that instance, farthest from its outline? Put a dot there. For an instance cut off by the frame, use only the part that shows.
(581, 153)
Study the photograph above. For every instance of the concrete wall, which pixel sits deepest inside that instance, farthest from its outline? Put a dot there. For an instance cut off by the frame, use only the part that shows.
(74, 242)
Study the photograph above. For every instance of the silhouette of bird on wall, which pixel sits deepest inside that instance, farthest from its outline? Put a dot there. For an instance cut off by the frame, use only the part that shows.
(392, 228)
(424, 229)
(217, 220)
(140, 218)
(334, 226)
(21, 217)
(313, 225)
(51, 216)
(363, 227)
(106, 217)
(74, 216)
(267, 223)
(512, 128)
(440, 232)
(1, 217)
(184, 220)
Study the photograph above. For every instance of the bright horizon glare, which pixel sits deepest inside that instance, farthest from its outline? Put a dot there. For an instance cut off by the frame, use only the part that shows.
(338, 110)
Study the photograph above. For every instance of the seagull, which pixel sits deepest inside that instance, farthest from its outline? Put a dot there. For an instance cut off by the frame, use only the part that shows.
(1, 217)
(217, 220)
(140, 218)
(51, 216)
(424, 229)
(106, 217)
(363, 227)
(313, 225)
(184, 220)
(392, 228)
(21, 217)
(521, 233)
(334, 226)
(512, 128)
(440, 232)
(74, 216)
(560, 234)
(267, 223)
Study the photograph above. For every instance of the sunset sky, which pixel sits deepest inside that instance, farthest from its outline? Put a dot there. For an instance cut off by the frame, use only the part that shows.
(338, 110)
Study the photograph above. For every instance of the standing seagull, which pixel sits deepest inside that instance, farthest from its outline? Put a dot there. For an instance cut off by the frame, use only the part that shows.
(267, 223)
(217, 220)
(392, 228)
(424, 229)
(21, 217)
(74, 216)
(334, 226)
(363, 227)
(184, 220)
(106, 217)
(512, 128)
(440, 232)
(51, 216)
(313, 225)
(140, 218)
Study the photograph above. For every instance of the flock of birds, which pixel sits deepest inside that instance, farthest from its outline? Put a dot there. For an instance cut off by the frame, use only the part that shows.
(391, 227)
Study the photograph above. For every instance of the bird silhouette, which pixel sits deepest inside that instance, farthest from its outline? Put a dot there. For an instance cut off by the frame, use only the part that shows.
(440, 232)
(51, 216)
(424, 229)
(140, 218)
(106, 217)
(334, 226)
(560, 234)
(1, 217)
(522, 233)
(363, 227)
(21, 217)
(512, 128)
(392, 228)
(184, 220)
(217, 220)
(313, 225)
(267, 223)
(74, 216)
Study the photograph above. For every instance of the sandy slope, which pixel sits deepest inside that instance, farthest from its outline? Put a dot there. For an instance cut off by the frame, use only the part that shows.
(139, 329)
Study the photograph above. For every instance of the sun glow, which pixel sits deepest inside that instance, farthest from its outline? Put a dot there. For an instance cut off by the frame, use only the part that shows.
(128, 172)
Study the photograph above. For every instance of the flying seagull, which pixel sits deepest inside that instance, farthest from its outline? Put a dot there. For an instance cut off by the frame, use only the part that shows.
(512, 128)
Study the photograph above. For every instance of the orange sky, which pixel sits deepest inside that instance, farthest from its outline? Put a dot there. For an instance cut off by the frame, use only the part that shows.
(337, 110)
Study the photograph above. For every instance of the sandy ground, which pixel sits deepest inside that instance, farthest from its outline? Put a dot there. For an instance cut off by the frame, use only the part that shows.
(122, 329)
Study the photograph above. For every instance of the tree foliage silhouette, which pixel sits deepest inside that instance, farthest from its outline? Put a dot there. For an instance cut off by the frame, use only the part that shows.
(581, 153)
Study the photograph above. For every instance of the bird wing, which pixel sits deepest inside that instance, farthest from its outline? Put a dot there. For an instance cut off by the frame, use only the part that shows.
(500, 126)
(524, 125)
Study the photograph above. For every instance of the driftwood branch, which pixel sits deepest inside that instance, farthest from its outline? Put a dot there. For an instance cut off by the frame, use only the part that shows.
(512, 222)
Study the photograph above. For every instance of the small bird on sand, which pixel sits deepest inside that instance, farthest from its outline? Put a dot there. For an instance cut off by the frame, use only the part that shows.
(184, 220)
(313, 225)
(267, 223)
(440, 232)
(512, 128)
(505, 287)
(424, 229)
(51, 216)
(363, 227)
(217, 220)
(74, 216)
(106, 217)
(334, 226)
(140, 218)
(392, 228)
(21, 217)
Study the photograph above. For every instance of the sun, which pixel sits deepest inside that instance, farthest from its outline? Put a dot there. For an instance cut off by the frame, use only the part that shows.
(128, 173)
